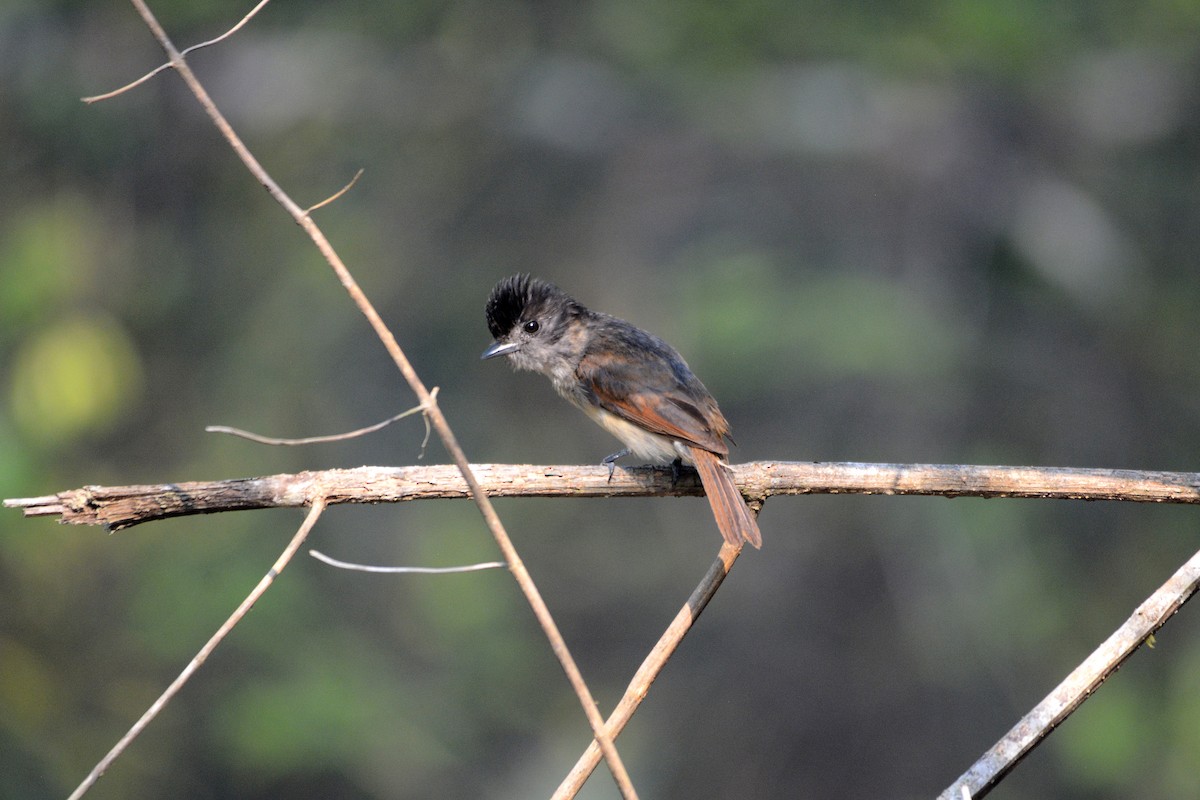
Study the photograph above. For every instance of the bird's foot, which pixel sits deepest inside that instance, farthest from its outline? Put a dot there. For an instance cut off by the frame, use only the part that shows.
(611, 462)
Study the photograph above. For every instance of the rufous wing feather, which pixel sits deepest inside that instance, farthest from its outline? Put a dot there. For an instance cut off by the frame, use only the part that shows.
(734, 517)
(647, 395)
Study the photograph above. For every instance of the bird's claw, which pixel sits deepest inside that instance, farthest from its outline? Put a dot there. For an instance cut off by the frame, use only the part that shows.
(611, 462)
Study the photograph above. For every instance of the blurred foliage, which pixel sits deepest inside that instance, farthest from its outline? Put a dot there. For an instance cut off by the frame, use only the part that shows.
(74, 378)
(923, 231)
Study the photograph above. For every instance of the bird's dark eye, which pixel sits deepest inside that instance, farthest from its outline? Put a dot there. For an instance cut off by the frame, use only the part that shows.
(531, 326)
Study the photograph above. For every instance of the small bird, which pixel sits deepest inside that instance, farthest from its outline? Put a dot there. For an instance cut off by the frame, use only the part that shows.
(633, 384)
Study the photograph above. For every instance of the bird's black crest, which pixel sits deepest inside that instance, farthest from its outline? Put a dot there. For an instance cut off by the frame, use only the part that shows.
(512, 297)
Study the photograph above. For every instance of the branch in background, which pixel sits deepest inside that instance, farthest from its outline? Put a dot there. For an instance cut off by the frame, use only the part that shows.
(653, 664)
(1035, 726)
(123, 506)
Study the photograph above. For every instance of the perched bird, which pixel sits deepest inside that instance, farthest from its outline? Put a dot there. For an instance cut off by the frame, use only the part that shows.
(633, 384)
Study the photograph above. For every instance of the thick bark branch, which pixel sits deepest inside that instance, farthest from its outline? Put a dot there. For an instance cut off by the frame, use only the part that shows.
(119, 507)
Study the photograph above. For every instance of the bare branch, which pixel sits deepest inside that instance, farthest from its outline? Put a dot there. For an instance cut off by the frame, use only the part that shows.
(1035, 726)
(334, 437)
(333, 562)
(119, 507)
(229, 32)
(132, 85)
(318, 506)
(651, 666)
(108, 95)
(336, 194)
(44, 506)
(516, 565)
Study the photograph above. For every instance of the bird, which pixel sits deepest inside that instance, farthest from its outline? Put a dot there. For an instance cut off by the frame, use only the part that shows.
(630, 382)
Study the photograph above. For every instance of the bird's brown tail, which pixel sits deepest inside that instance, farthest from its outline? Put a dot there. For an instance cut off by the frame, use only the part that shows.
(734, 517)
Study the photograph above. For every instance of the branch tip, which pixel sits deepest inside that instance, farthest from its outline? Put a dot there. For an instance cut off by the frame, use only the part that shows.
(333, 437)
(336, 194)
(109, 95)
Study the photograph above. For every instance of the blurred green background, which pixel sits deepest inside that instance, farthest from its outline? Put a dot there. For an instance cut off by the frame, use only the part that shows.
(942, 231)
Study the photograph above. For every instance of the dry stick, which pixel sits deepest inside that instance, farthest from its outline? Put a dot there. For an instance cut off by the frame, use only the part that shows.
(333, 562)
(333, 437)
(318, 505)
(648, 671)
(122, 506)
(96, 98)
(516, 565)
(119, 507)
(336, 194)
(993, 765)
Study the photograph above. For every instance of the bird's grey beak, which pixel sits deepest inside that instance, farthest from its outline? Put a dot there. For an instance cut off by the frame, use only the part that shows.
(499, 349)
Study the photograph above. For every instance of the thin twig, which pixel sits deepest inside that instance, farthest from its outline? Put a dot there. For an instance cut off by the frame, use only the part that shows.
(492, 520)
(334, 437)
(229, 32)
(653, 664)
(1035, 726)
(132, 85)
(336, 194)
(318, 505)
(169, 65)
(333, 562)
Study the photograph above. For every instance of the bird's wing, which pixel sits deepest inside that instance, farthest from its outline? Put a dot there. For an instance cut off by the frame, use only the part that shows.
(649, 392)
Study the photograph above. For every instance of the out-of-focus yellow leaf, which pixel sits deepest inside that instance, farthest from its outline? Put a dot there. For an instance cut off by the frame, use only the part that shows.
(75, 377)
